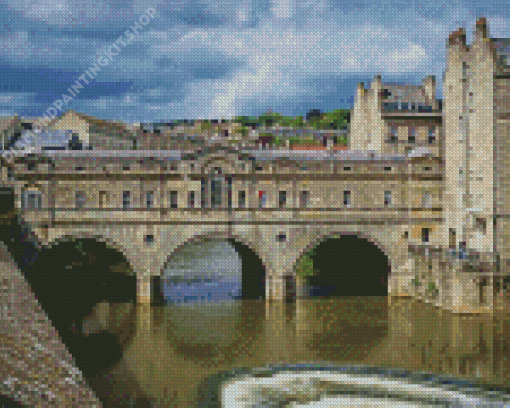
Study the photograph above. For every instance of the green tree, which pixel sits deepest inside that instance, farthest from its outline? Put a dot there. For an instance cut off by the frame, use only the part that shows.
(304, 268)
(270, 118)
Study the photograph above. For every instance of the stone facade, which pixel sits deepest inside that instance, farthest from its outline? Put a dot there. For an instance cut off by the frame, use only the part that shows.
(82, 195)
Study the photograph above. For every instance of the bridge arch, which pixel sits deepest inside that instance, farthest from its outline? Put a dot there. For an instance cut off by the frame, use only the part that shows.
(253, 265)
(84, 276)
(76, 236)
(362, 238)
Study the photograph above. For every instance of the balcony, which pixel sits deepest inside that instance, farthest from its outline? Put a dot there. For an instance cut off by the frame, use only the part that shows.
(471, 261)
(406, 109)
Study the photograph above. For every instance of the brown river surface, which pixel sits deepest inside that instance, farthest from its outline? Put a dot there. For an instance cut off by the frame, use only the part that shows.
(169, 351)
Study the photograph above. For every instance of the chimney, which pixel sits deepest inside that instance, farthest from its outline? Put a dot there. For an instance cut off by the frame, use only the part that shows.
(429, 83)
(458, 38)
(376, 83)
(361, 88)
(481, 29)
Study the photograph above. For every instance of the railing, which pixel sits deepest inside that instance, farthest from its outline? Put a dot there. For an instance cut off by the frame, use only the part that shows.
(346, 208)
(477, 261)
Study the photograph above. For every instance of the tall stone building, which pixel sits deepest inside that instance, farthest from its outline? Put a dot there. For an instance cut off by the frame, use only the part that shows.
(469, 131)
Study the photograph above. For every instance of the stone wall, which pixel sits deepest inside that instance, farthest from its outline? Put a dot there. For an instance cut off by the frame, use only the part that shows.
(36, 369)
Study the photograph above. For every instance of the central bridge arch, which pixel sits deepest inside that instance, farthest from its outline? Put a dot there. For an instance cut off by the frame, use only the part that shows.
(346, 263)
(244, 264)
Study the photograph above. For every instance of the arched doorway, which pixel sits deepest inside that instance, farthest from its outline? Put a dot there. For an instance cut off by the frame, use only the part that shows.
(212, 271)
(348, 265)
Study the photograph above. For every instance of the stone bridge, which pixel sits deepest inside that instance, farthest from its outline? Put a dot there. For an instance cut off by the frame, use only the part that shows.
(278, 204)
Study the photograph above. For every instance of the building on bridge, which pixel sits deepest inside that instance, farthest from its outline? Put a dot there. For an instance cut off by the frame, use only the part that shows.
(422, 180)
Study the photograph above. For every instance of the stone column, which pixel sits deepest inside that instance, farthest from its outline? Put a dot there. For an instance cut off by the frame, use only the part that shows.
(300, 287)
(143, 320)
(275, 287)
(400, 282)
(143, 289)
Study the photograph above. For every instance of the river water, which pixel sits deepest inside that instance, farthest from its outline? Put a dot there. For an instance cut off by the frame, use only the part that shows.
(169, 351)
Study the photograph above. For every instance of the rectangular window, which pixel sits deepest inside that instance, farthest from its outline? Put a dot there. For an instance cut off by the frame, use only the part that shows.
(216, 193)
(150, 199)
(412, 135)
(347, 198)
(262, 199)
(80, 199)
(347, 168)
(126, 199)
(405, 105)
(387, 198)
(432, 135)
(390, 106)
(282, 199)
(102, 199)
(452, 239)
(427, 200)
(304, 198)
(424, 235)
(242, 199)
(387, 169)
(31, 200)
(481, 225)
(10, 173)
(173, 199)
(393, 134)
(203, 187)
(191, 199)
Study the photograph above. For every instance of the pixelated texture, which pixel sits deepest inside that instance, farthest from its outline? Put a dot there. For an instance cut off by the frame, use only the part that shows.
(165, 251)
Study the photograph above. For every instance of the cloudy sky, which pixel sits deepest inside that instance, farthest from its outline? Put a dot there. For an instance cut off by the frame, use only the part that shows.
(222, 58)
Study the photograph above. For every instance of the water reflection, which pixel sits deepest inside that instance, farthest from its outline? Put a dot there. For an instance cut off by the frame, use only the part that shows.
(167, 351)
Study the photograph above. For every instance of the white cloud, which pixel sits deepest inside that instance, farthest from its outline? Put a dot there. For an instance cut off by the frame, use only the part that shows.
(278, 58)
(284, 9)
(404, 60)
(52, 12)
(17, 98)
(498, 27)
